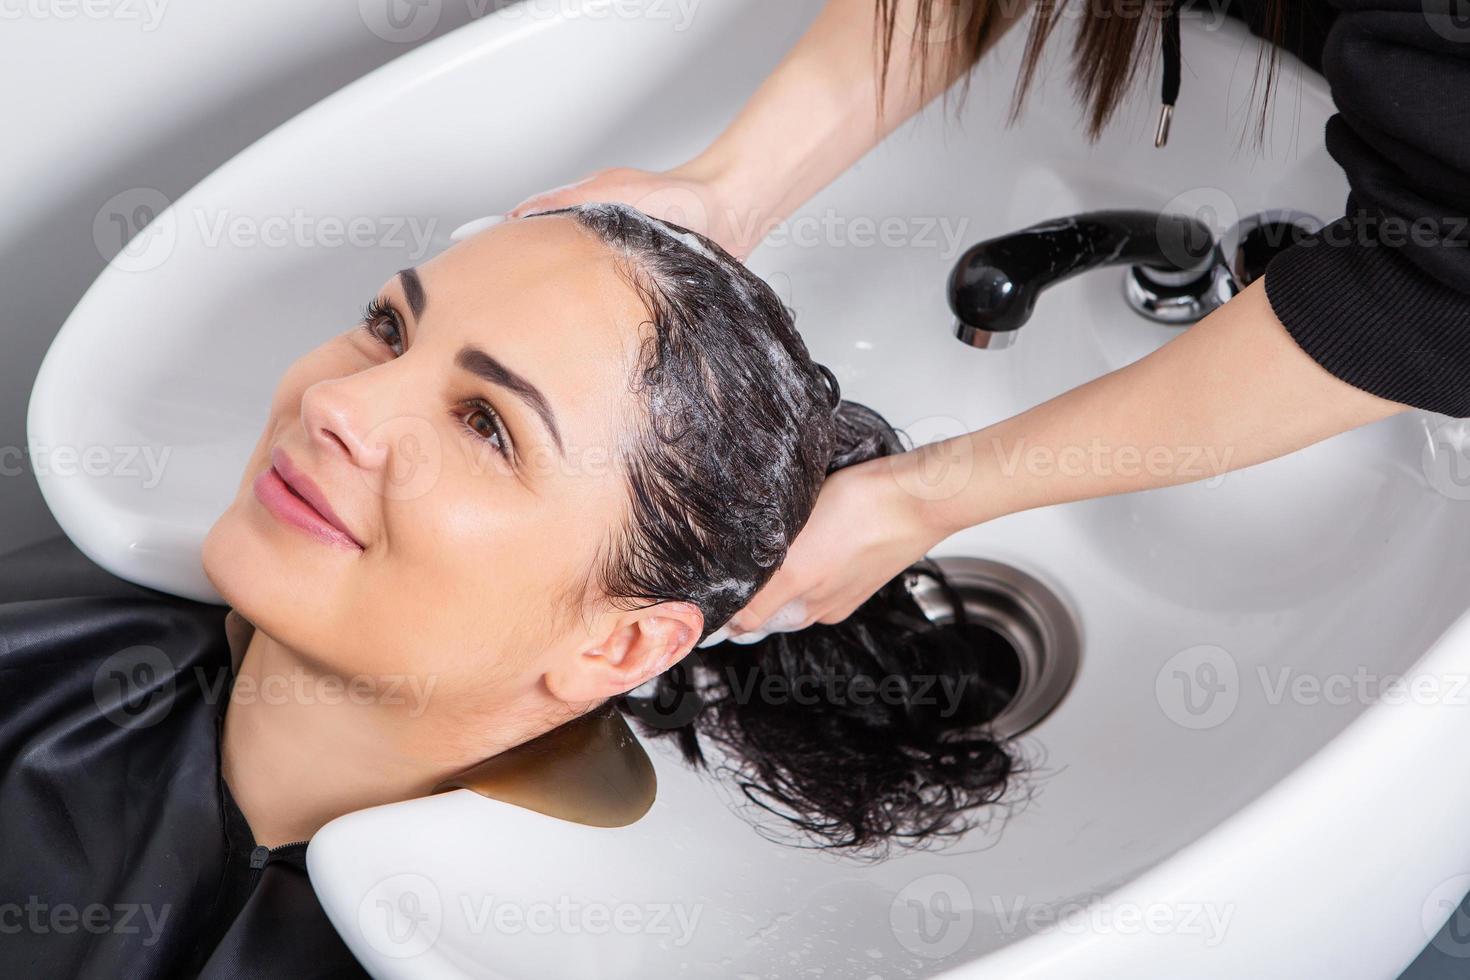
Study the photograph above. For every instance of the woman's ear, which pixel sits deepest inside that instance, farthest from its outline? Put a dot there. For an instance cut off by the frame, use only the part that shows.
(642, 644)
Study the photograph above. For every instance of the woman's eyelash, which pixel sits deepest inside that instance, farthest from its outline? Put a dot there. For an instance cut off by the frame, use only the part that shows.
(497, 437)
(375, 314)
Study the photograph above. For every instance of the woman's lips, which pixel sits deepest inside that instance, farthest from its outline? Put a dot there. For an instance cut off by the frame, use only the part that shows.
(281, 499)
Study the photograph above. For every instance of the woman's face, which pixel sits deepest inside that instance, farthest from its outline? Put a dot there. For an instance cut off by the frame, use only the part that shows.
(469, 443)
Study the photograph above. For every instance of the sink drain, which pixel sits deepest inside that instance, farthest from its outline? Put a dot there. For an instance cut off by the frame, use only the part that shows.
(1027, 616)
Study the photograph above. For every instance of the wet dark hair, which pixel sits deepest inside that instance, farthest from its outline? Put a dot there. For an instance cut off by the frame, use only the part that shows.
(860, 734)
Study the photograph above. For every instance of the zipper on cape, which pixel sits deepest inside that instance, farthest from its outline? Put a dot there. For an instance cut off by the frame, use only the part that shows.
(261, 854)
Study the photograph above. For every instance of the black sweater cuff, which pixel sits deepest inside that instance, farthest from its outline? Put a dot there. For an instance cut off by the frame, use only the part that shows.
(1371, 317)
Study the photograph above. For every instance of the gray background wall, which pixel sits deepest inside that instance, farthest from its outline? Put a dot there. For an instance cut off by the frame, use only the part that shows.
(156, 94)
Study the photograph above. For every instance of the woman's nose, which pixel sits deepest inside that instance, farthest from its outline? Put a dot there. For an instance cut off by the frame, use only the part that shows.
(338, 417)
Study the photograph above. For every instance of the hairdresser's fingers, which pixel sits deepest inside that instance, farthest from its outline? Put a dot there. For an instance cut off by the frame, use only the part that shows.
(560, 197)
(864, 531)
(683, 198)
(779, 623)
(625, 185)
(778, 596)
(684, 202)
(839, 609)
(828, 560)
(718, 636)
(788, 619)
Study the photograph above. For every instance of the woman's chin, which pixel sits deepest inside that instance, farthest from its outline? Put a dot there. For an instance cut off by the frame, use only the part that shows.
(269, 579)
(251, 561)
(232, 560)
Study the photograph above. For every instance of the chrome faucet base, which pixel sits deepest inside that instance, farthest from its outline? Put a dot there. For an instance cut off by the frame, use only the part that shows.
(1177, 304)
(1238, 259)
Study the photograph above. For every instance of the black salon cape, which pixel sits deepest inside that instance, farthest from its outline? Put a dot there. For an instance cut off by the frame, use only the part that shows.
(123, 853)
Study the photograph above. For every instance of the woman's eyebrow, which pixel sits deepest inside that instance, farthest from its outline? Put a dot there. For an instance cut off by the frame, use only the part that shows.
(413, 291)
(482, 365)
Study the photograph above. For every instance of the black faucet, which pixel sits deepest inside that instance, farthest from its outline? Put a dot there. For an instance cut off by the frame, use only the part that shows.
(1179, 273)
(994, 286)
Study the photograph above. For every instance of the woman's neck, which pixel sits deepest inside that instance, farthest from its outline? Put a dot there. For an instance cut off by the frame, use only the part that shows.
(301, 749)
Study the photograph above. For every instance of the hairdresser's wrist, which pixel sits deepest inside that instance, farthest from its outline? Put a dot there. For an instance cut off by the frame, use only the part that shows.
(903, 500)
(942, 489)
(744, 207)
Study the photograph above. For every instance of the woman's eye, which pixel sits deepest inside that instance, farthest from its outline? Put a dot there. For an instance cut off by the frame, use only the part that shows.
(381, 323)
(485, 423)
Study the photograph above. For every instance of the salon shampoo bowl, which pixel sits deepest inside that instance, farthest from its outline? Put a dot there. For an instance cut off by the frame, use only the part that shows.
(1196, 809)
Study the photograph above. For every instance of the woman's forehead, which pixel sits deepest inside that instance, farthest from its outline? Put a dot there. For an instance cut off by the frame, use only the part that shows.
(551, 271)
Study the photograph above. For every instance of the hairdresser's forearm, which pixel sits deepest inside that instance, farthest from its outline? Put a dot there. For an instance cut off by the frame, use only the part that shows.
(816, 114)
(1231, 391)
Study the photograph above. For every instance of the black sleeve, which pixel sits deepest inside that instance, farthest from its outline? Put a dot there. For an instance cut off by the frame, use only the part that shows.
(1381, 296)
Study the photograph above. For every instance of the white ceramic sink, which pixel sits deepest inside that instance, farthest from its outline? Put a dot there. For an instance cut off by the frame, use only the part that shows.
(1212, 814)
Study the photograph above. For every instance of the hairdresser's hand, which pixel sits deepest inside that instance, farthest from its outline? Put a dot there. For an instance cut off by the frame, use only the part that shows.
(681, 195)
(867, 527)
